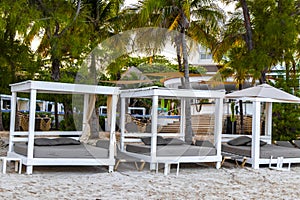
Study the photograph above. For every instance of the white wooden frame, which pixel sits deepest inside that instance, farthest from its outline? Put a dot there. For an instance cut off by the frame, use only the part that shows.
(155, 93)
(269, 96)
(34, 87)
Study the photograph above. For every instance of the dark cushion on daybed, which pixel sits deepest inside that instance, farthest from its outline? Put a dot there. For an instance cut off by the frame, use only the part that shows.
(163, 141)
(261, 143)
(284, 144)
(297, 143)
(204, 143)
(243, 141)
(174, 141)
(44, 142)
(103, 144)
(239, 141)
(55, 142)
(147, 140)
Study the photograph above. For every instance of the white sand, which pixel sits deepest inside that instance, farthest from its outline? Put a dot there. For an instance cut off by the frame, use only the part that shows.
(193, 182)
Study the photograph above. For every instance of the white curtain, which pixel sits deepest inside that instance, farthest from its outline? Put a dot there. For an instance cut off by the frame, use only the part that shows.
(86, 132)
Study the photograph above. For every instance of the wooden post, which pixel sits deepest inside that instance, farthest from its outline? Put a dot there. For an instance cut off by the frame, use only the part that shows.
(12, 120)
(154, 131)
(109, 114)
(255, 135)
(122, 123)
(112, 137)
(31, 127)
(182, 119)
(268, 122)
(218, 128)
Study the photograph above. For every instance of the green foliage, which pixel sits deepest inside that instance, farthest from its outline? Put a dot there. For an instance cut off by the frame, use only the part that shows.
(67, 124)
(6, 120)
(286, 117)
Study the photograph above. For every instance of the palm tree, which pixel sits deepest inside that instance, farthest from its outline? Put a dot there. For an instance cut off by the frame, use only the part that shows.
(102, 18)
(178, 15)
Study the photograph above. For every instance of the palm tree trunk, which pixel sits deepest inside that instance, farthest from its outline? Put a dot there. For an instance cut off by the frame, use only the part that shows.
(188, 129)
(94, 121)
(249, 43)
(55, 74)
(241, 112)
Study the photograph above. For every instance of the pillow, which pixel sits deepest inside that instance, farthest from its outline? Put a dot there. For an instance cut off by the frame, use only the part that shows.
(160, 140)
(66, 141)
(45, 142)
(174, 141)
(297, 143)
(284, 144)
(204, 143)
(239, 141)
(103, 144)
(261, 143)
(55, 142)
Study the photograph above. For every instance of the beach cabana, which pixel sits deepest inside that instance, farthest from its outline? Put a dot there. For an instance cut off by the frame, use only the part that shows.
(34, 149)
(154, 152)
(261, 154)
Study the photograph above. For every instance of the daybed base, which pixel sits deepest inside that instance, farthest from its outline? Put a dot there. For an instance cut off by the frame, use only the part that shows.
(290, 155)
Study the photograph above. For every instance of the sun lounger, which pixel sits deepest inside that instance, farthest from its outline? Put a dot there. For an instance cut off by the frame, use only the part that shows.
(236, 158)
(122, 157)
(269, 153)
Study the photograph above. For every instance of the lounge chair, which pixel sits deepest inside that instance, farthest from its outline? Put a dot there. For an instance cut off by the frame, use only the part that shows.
(122, 157)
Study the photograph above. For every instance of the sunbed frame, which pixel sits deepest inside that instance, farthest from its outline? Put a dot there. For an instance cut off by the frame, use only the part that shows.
(34, 87)
(182, 95)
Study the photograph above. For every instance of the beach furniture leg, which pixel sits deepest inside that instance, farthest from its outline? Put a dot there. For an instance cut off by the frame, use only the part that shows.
(29, 169)
(117, 165)
(3, 165)
(177, 172)
(166, 169)
(110, 168)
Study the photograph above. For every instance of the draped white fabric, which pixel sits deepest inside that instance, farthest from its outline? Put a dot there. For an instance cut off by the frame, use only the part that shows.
(86, 130)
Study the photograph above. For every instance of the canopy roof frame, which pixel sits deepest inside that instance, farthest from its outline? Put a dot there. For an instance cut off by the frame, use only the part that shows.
(259, 94)
(155, 93)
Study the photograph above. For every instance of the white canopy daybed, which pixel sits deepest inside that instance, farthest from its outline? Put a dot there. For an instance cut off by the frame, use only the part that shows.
(155, 154)
(22, 143)
(261, 155)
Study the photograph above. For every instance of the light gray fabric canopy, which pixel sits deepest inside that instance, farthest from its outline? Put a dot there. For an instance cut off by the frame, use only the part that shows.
(259, 94)
(264, 93)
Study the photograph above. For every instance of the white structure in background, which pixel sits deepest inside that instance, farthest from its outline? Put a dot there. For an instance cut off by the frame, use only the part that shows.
(23, 105)
(131, 110)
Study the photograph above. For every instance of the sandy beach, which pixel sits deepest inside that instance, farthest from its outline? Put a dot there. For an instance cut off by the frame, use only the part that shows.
(193, 182)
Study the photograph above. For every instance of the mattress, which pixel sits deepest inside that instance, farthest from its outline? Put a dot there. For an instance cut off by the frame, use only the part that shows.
(172, 150)
(266, 151)
(63, 151)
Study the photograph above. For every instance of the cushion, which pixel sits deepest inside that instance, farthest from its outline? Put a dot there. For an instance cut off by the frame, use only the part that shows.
(174, 141)
(103, 144)
(261, 143)
(160, 140)
(45, 142)
(204, 143)
(55, 142)
(66, 141)
(239, 141)
(297, 143)
(284, 144)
